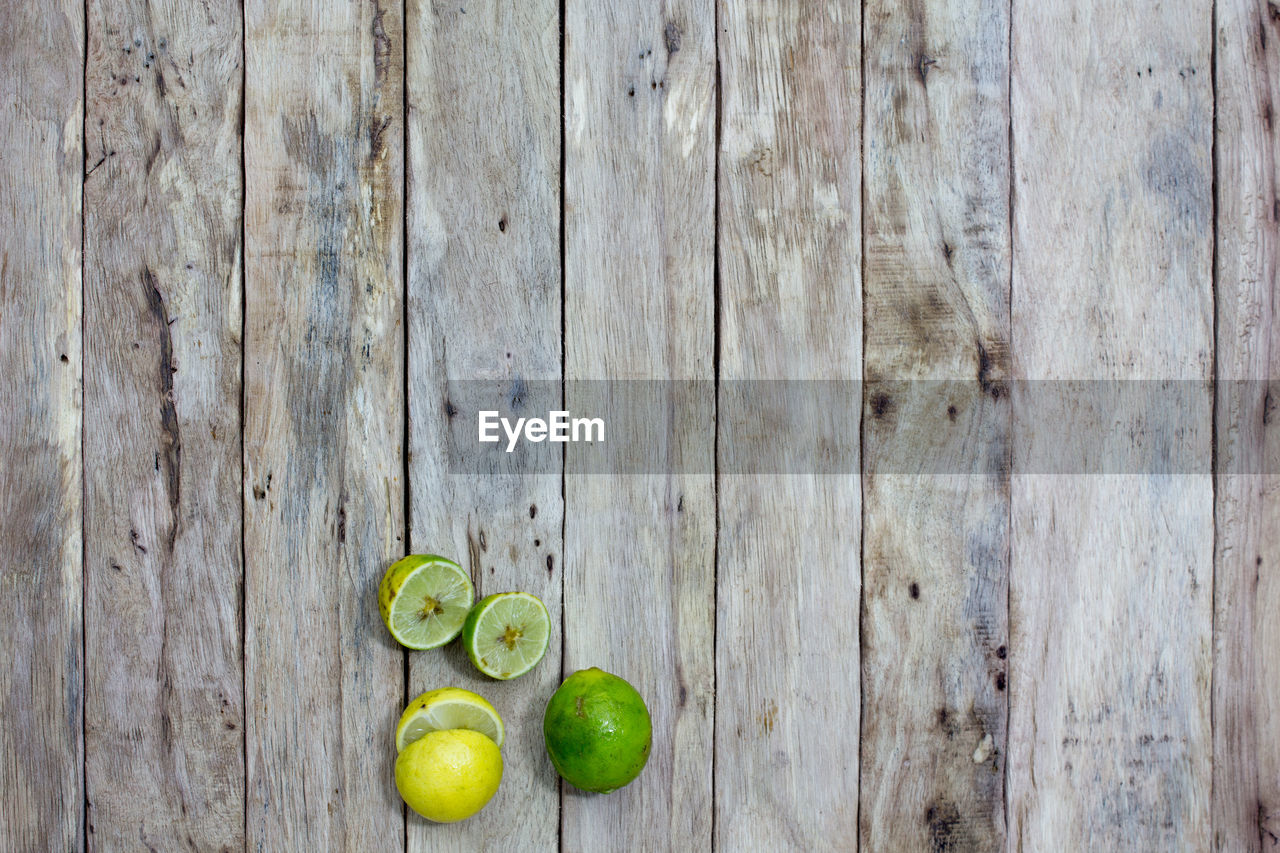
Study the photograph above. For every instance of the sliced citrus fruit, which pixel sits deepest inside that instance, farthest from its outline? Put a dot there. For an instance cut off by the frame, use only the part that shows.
(445, 709)
(506, 634)
(424, 600)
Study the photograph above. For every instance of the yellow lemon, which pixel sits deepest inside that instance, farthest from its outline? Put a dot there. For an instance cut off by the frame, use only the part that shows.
(447, 776)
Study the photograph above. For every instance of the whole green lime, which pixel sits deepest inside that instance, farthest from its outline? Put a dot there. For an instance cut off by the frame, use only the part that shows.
(598, 731)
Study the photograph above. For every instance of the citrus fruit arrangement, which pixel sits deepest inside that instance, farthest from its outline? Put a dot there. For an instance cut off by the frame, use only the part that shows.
(449, 765)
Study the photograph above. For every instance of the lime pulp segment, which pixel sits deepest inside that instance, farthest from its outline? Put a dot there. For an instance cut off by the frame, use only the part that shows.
(507, 634)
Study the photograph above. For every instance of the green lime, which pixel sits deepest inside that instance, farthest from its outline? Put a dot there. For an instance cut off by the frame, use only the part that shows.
(598, 731)
(424, 600)
(506, 634)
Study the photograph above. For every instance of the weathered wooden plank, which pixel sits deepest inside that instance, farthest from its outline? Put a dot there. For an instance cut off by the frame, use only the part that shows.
(935, 512)
(791, 309)
(163, 671)
(324, 363)
(41, 171)
(484, 304)
(1246, 675)
(639, 286)
(1110, 585)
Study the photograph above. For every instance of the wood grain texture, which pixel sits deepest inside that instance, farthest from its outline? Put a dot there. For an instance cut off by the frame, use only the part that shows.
(1246, 675)
(164, 678)
(1110, 584)
(484, 304)
(790, 308)
(41, 170)
(639, 289)
(936, 435)
(323, 421)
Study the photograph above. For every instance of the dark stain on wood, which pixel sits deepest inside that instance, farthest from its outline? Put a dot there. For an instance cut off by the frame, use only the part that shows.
(377, 130)
(923, 64)
(993, 387)
(153, 154)
(319, 152)
(1174, 175)
(519, 393)
(671, 37)
(381, 46)
(946, 830)
(171, 451)
(914, 591)
(319, 368)
(1268, 829)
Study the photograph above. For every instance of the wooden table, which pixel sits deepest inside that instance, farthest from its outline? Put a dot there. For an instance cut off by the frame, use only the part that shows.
(245, 249)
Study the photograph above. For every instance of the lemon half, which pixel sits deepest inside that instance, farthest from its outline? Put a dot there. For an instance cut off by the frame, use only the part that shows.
(448, 708)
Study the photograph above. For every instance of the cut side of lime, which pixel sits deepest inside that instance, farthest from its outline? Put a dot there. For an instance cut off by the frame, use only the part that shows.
(424, 600)
(506, 634)
(445, 709)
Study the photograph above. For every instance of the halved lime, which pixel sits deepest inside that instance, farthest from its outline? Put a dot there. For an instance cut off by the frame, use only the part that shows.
(424, 600)
(507, 634)
(448, 708)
